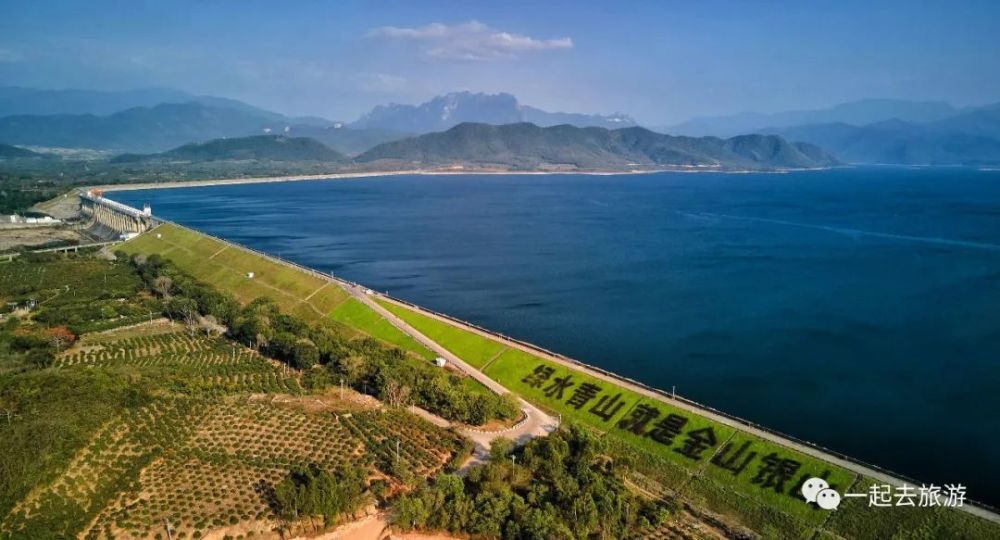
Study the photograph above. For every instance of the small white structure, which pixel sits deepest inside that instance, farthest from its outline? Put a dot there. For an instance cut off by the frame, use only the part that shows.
(369, 292)
(440, 362)
(158, 235)
(128, 235)
(250, 275)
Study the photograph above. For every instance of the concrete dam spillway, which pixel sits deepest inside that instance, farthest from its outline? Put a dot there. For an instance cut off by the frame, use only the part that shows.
(117, 217)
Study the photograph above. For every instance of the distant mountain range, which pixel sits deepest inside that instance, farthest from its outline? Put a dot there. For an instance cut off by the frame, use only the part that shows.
(16, 100)
(881, 131)
(155, 120)
(855, 113)
(527, 146)
(257, 147)
(971, 137)
(521, 146)
(158, 119)
(449, 110)
(161, 127)
(140, 129)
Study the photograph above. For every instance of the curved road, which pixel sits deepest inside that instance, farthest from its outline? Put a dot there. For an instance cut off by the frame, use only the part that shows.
(535, 423)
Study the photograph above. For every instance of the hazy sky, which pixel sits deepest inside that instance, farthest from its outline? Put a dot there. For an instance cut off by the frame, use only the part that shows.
(660, 61)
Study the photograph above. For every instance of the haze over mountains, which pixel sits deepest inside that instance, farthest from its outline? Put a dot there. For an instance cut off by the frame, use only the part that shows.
(449, 110)
(879, 131)
(856, 112)
(971, 137)
(156, 120)
(255, 147)
(16, 100)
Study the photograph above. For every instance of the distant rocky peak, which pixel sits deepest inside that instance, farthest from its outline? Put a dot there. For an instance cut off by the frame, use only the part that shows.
(447, 110)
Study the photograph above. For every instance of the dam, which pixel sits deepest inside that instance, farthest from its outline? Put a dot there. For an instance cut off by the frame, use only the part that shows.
(112, 216)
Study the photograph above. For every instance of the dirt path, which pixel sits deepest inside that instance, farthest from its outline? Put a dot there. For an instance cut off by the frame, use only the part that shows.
(374, 527)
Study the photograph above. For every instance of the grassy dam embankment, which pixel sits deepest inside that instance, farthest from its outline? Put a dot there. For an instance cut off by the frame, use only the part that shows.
(674, 447)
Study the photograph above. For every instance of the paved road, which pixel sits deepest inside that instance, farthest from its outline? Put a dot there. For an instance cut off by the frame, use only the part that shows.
(535, 424)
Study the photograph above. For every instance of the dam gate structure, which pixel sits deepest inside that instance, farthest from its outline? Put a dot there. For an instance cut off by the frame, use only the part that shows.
(115, 216)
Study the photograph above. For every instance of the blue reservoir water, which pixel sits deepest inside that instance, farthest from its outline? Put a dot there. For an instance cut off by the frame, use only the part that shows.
(859, 309)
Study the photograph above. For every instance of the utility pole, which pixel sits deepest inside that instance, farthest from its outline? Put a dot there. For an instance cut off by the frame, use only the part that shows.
(166, 524)
(513, 460)
(397, 450)
(10, 414)
(673, 391)
(341, 388)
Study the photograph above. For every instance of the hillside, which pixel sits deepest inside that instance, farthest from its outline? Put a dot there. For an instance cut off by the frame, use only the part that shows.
(527, 146)
(8, 151)
(449, 110)
(257, 147)
(346, 140)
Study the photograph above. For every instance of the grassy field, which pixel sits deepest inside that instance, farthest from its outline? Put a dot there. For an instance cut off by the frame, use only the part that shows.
(296, 292)
(355, 314)
(470, 347)
(227, 268)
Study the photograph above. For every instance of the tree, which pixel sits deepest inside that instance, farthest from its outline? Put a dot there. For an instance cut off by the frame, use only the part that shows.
(211, 326)
(184, 309)
(41, 358)
(305, 355)
(313, 491)
(59, 337)
(500, 448)
(353, 366)
(412, 512)
(162, 285)
(397, 394)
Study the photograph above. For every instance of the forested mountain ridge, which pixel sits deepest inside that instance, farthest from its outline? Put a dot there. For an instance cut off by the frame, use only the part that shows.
(526, 146)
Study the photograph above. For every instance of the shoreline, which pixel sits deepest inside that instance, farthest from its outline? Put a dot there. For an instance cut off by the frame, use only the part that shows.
(108, 188)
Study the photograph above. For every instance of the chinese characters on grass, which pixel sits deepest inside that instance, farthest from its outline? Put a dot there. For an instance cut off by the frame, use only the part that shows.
(770, 471)
(886, 495)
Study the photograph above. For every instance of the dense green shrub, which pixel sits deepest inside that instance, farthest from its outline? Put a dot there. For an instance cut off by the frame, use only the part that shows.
(312, 491)
(558, 487)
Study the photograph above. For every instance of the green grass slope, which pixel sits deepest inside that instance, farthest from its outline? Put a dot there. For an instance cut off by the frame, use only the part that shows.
(295, 291)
